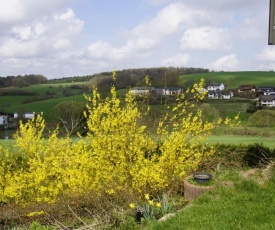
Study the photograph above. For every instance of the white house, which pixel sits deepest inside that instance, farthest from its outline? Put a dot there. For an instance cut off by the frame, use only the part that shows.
(3, 119)
(219, 94)
(266, 90)
(247, 88)
(215, 86)
(267, 100)
(141, 90)
(168, 91)
(25, 115)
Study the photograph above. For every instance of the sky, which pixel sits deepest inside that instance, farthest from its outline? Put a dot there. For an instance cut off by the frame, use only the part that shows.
(67, 38)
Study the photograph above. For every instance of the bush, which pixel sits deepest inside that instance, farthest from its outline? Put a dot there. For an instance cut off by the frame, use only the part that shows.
(226, 155)
(262, 118)
(258, 155)
(117, 154)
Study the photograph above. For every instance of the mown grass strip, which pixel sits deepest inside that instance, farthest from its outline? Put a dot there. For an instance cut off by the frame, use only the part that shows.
(247, 205)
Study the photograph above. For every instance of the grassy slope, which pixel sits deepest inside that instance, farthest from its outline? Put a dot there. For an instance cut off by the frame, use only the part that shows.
(44, 106)
(234, 79)
(237, 140)
(247, 205)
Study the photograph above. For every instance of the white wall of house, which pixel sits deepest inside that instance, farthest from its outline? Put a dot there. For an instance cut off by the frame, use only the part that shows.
(2, 119)
(268, 103)
(226, 96)
(140, 90)
(171, 91)
(216, 87)
(25, 115)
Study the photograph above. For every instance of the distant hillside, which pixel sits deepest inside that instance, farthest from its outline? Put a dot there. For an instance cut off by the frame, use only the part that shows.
(232, 79)
(159, 77)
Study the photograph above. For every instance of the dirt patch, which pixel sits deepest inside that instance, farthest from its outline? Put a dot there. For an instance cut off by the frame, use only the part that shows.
(260, 175)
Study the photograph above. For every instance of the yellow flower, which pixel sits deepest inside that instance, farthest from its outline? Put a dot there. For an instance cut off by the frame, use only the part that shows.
(151, 202)
(158, 205)
(147, 197)
(35, 213)
(132, 206)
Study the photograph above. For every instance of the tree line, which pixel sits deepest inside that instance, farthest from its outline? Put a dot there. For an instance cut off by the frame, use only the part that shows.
(159, 77)
(22, 81)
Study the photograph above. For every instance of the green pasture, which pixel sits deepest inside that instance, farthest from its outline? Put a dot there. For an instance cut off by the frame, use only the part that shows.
(234, 79)
(54, 89)
(45, 106)
(212, 140)
(8, 101)
(244, 140)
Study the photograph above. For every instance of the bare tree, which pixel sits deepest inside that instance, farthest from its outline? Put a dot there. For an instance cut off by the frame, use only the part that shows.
(70, 116)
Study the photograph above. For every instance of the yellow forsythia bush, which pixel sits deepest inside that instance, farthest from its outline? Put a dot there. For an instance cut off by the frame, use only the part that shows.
(117, 152)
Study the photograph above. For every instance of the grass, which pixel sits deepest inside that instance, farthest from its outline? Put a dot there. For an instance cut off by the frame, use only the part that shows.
(56, 89)
(234, 79)
(44, 106)
(245, 140)
(246, 205)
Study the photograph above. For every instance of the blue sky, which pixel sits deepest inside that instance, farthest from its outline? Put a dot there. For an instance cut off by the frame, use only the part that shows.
(65, 38)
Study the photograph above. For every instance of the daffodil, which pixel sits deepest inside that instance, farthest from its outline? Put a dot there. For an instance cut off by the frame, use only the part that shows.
(151, 202)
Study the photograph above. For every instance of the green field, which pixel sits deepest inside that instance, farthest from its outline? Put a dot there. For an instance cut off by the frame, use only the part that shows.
(234, 79)
(244, 140)
(47, 96)
(45, 106)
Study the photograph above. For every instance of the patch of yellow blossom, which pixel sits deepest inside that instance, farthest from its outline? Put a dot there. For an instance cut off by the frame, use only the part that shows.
(35, 213)
(117, 152)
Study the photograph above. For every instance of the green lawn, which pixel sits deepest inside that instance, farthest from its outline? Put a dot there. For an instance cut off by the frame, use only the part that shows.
(245, 140)
(246, 205)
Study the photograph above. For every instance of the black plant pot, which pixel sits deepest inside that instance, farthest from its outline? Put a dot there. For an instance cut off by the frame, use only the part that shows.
(139, 215)
(202, 178)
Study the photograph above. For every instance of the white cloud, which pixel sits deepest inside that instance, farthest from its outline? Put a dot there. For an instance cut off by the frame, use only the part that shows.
(36, 34)
(42, 37)
(158, 2)
(176, 60)
(143, 40)
(226, 63)
(14, 12)
(206, 38)
(267, 54)
(226, 5)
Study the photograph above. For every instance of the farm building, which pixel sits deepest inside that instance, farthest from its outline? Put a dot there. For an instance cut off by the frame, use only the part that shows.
(167, 91)
(265, 90)
(24, 115)
(215, 86)
(3, 119)
(141, 90)
(247, 88)
(267, 100)
(219, 94)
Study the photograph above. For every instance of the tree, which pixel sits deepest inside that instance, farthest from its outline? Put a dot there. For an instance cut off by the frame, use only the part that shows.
(70, 115)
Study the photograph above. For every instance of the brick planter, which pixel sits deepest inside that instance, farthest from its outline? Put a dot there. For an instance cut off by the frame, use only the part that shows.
(191, 190)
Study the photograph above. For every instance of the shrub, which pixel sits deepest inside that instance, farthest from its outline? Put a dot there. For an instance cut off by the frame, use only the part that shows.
(117, 154)
(226, 155)
(262, 118)
(258, 155)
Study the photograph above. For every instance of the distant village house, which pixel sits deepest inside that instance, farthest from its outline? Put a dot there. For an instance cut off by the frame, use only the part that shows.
(266, 90)
(267, 100)
(247, 88)
(215, 86)
(158, 91)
